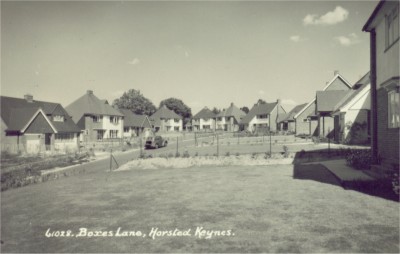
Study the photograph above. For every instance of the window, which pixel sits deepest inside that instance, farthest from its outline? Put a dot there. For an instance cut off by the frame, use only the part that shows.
(100, 134)
(176, 128)
(64, 136)
(113, 133)
(114, 119)
(58, 118)
(392, 27)
(176, 120)
(265, 116)
(219, 118)
(393, 109)
(305, 120)
(97, 119)
(126, 129)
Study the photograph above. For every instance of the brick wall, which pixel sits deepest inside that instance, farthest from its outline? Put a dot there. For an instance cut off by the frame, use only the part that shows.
(388, 138)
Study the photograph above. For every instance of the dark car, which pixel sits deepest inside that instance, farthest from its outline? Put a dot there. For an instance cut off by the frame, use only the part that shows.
(155, 142)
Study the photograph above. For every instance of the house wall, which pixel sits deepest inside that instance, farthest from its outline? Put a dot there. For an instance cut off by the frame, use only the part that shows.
(67, 145)
(337, 84)
(387, 66)
(388, 138)
(221, 123)
(250, 126)
(107, 125)
(305, 127)
(209, 122)
(359, 134)
(169, 125)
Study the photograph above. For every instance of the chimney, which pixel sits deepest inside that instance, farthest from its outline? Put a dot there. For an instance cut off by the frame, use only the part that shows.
(336, 72)
(28, 97)
(278, 101)
(89, 92)
(231, 103)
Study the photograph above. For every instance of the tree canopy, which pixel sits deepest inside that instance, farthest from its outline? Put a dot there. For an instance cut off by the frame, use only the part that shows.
(261, 101)
(245, 109)
(136, 102)
(216, 111)
(177, 106)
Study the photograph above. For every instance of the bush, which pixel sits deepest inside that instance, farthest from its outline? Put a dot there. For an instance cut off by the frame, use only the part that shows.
(228, 154)
(142, 155)
(177, 155)
(237, 154)
(196, 154)
(185, 154)
(254, 155)
(267, 155)
(359, 158)
(285, 151)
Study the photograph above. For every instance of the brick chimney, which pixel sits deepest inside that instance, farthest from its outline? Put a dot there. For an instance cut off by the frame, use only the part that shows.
(231, 103)
(89, 92)
(28, 97)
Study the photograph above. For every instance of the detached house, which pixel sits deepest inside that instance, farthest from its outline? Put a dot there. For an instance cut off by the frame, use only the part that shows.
(289, 122)
(165, 119)
(229, 119)
(352, 114)
(203, 120)
(134, 124)
(31, 126)
(263, 117)
(97, 120)
(311, 122)
(383, 26)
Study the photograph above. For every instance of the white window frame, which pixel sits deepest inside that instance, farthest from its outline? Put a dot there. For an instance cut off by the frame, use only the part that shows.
(392, 27)
(393, 109)
(58, 118)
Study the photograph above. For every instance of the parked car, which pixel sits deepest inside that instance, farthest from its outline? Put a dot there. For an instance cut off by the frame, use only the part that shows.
(155, 142)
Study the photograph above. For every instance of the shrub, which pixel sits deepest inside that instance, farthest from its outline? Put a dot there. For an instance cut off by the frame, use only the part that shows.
(142, 155)
(237, 154)
(177, 155)
(228, 154)
(254, 155)
(267, 155)
(285, 151)
(196, 154)
(359, 158)
(185, 154)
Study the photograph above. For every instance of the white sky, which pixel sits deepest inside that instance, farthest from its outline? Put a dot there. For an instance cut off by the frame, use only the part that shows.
(205, 53)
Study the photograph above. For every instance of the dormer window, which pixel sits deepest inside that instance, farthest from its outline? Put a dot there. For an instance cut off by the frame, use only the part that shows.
(58, 118)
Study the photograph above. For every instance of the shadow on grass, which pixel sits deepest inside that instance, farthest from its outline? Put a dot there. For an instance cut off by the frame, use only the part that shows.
(315, 172)
(379, 188)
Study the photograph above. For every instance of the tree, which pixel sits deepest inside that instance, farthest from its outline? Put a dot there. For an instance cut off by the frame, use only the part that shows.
(136, 102)
(216, 111)
(245, 109)
(177, 106)
(261, 101)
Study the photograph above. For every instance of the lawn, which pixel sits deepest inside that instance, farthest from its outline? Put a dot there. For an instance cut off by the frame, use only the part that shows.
(264, 207)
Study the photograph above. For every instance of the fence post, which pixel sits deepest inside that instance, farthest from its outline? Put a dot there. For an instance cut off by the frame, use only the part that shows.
(270, 144)
(111, 159)
(195, 139)
(140, 145)
(177, 146)
(217, 146)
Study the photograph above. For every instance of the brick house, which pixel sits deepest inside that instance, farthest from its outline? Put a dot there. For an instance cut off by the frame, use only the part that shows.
(383, 26)
(229, 119)
(307, 120)
(98, 121)
(165, 119)
(134, 124)
(263, 117)
(288, 122)
(203, 120)
(30, 126)
(352, 114)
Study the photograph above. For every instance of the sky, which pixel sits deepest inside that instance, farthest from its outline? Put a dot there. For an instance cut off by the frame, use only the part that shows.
(206, 53)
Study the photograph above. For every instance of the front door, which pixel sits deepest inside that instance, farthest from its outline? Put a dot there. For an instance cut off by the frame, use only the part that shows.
(47, 141)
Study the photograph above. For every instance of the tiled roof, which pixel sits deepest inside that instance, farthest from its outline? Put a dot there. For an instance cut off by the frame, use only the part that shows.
(258, 109)
(356, 89)
(134, 120)
(165, 113)
(327, 100)
(16, 113)
(89, 104)
(232, 111)
(205, 113)
(293, 112)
